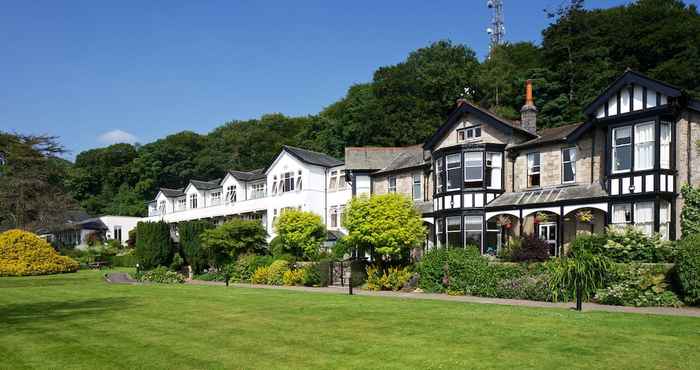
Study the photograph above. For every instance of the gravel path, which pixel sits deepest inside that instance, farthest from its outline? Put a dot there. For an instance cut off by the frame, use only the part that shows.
(124, 278)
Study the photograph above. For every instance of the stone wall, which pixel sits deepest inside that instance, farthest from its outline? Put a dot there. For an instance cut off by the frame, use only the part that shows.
(489, 133)
(404, 183)
(689, 120)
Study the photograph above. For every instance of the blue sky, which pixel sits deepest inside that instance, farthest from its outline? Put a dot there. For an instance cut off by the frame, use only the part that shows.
(94, 72)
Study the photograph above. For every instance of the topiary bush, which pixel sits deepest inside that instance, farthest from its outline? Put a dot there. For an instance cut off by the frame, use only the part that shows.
(190, 243)
(154, 247)
(688, 269)
(23, 253)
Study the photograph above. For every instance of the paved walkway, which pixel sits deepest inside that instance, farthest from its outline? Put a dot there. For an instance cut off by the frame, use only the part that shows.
(685, 311)
(119, 278)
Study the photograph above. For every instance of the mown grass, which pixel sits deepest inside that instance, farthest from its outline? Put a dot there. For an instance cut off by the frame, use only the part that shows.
(77, 321)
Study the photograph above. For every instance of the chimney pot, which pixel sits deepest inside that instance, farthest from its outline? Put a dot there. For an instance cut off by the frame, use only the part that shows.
(528, 113)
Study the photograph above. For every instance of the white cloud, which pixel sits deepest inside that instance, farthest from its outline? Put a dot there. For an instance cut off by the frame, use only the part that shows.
(117, 136)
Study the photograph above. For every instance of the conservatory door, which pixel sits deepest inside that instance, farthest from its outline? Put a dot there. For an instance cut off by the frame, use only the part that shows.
(548, 233)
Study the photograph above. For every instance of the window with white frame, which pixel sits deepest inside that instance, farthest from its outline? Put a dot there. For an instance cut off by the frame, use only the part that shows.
(231, 194)
(161, 207)
(621, 215)
(665, 152)
(568, 165)
(453, 171)
(298, 186)
(333, 182)
(454, 232)
(181, 204)
(664, 219)
(417, 186)
(533, 169)
(118, 233)
(288, 178)
(439, 175)
(469, 133)
(473, 230)
(215, 198)
(644, 146)
(258, 190)
(392, 184)
(193, 201)
(439, 232)
(473, 169)
(274, 185)
(644, 217)
(341, 180)
(494, 165)
(622, 149)
(334, 216)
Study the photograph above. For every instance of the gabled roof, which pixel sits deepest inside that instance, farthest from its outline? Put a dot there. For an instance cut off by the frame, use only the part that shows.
(483, 114)
(410, 157)
(206, 185)
(311, 157)
(248, 175)
(627, 78)
(172, 193)
(550, 135)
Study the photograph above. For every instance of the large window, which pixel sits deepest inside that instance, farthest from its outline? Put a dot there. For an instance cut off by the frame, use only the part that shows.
(288, 181)
(665, 153)
(454, 232)
(231, 194)
(473, 170)
(392, 184)
(118, 233)
(494, 164)
(417, 187)
(181, 204)
(216, 198)
(644, 146)
(533, 169)
(621, 215)
(644, 217)
(622, 149)
(568, 165)
(258, 190)
(439, 175)
(161, 207)
(453, 171)
(333, 183)
(193, 201)
(472, 230)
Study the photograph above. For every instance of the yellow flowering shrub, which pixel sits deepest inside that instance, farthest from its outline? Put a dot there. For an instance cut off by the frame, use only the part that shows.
(23, 253)
(293, 277)
(260, 275)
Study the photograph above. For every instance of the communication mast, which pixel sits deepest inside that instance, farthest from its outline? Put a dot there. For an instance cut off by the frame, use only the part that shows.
(497, 30)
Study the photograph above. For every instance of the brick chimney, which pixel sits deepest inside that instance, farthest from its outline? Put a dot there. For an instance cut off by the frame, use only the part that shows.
(528, 113)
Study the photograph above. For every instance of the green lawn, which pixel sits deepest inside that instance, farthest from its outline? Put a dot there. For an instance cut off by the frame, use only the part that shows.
(78, 321)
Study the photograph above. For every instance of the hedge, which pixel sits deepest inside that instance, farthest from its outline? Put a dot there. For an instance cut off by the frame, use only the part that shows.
(154, 247)
(191, 244)
(124, 261)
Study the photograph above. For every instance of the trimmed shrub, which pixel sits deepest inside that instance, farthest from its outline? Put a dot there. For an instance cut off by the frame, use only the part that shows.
(153, 244)
(300, 233)
(276, 272)
(226, 242)
(638, 285)
(245, 266)
(293, 277)
(260, 276)
(688, 269)
(190, 244)
(23, 253)
(128, 260)
(162, 275)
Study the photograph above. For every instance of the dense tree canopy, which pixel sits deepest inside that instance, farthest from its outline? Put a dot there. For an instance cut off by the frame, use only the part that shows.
(582, 51)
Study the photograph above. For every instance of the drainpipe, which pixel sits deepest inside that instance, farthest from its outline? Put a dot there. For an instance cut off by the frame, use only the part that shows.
(690, 146)
(325, 195)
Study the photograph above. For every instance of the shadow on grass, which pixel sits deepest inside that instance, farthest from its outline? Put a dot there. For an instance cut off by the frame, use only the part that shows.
(27, 314)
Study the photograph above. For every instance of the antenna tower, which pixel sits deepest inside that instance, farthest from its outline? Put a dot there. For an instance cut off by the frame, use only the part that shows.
(497, 30)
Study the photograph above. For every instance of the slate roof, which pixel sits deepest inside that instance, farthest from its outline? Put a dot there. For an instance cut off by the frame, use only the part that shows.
(549, 195)
(172, 193)
(248, 175)
(372, 158)
(206, 185)
(311, 157)
(550, 135)
(424, 207)
(410, 157)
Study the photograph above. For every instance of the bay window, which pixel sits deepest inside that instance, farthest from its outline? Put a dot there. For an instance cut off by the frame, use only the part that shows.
(439, 175)
(568, 165)
(621, 215)
(665, 152)
(454, 228)
(472, 231)
(453, 171)
(417, 187)
(644, 217)
(494, 165)
(533, 169)
(622, 149)
(644, 146)
(473, 169)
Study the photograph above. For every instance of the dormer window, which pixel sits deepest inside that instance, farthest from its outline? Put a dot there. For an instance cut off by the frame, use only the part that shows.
(533, 169)
(469, 133)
